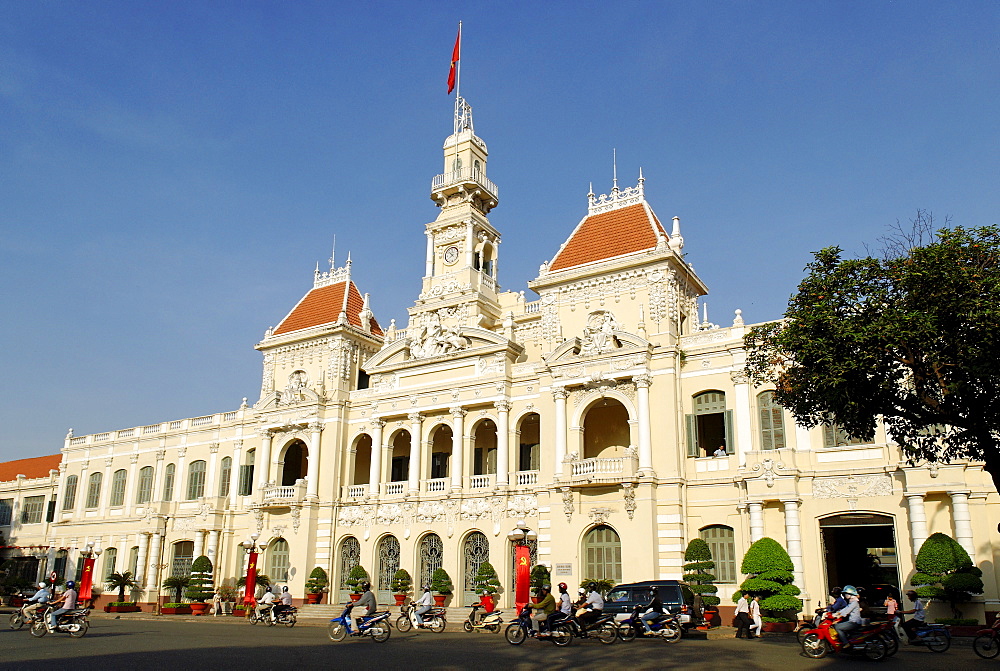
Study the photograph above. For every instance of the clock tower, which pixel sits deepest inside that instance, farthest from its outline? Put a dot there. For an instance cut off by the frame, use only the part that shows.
(460, 278)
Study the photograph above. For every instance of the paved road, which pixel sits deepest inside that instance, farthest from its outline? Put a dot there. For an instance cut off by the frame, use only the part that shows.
(223, 644)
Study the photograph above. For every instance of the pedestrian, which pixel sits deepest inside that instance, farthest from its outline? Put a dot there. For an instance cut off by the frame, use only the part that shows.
(742, 620)
(754, 613)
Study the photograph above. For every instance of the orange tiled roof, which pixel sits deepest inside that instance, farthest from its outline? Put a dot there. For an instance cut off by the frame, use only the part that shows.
(36, 467)
(609, 234)
(322, 305)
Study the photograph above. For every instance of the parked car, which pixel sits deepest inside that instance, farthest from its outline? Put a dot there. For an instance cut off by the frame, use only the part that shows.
(676, 597)
(874, 596)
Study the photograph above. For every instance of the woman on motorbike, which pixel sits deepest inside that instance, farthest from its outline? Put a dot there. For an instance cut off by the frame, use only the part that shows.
(850, 616)
(423, 605)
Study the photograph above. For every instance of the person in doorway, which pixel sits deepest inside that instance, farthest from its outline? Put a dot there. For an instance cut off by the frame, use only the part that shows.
(742, 620)
(850, 616)
(546, 606)
(720, 451)
(910, 626)
(757, 624)
(423, 605)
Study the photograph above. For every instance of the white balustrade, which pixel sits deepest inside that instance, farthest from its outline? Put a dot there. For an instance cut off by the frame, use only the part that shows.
(394, 488)
(463, 175)
(102, 436)
(176, 424)
(152, 428)
(436, 485)
(126, 433)
(82, 440)
(531, 308)
(526, 478)
(229, 416)
(201, 421)
(481, 481)
(357, 491)
(274, 492)
(612, 466)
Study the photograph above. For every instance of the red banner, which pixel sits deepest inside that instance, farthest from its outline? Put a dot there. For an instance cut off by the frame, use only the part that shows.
(522, 576)
(250, 595)
(85, 590)
(455, 55)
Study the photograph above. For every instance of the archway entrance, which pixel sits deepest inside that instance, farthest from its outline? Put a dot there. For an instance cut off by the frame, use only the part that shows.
(860, 550)
(296, 463)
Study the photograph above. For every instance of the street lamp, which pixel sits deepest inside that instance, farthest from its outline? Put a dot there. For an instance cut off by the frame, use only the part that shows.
(521, 534)
(250, 544)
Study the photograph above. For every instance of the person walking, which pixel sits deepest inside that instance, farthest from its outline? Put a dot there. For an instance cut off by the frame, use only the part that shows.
(742, 621)
(754, 613)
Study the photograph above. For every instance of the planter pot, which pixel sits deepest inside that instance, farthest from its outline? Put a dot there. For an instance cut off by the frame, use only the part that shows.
(181, 610)
(239, 612)
(965, 629)
(439, 599)
(355, 596)
(199, 608)
(779, 627)
(314, 597)
(400, 599)
(122, 609)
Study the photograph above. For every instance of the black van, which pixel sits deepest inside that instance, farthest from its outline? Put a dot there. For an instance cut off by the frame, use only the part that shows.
(676, 597)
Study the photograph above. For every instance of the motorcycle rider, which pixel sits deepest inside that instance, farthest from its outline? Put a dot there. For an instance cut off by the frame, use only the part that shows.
(545, 607)
(37, 600)
(839, 603)
(594, 606)
(423, 605)
(67, 601)
(850, 616)
(284, 601)
(655, 608)
(910, 626)
(367, 600)
(266, 603)
(564, 606)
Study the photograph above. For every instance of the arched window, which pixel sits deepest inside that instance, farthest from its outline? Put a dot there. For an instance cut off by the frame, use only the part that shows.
(529, 440)
(69, 501)
(110, 559)
(475, 552)
(710, 426)
(431, 557)
(602, 552)
(277, 561)
(94, 490)
(388, 563)
(225, 476)
(118, 487)
(400, 466)
(183, 558)
(485, 454)
(246, 473)
(441, 447)
(196, 480)
(133, 562)
(145, 491)
(835, 436)
(362, 460)
(296, 463)
(168, 482)
(772, 422)
(722, 543)
(350, 556)
(605, 430)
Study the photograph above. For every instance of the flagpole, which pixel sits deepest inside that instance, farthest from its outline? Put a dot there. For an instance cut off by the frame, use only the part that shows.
(458, 70)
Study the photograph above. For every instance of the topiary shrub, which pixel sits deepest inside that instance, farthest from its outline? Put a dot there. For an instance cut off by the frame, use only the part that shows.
(441, 582)
(486, 580)
(771, 575)
(201, 587)
(697, 572)
(945, 572)
(317, 581)
(357, 576)
(401, 582)
(539, 577)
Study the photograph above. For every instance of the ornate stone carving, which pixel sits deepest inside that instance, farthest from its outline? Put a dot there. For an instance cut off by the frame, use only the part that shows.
(502, 405)
(296, 518)
(491, 365)
(385, 382)
(768, 468)
(133, 459)
(161, 455)
(258, 515)
(213, 448)
(108, 461)
(628, 491)
(196, 522)
(522, 506)
(267, 379)
(852, 486)
(432, 339)
(598, 336)
(567, 498)
(600, 515)
(739, 376)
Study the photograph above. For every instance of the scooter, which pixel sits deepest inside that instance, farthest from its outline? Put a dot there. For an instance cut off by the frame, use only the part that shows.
(987, 641)
(603, 628)
(74, 623)
(286, 616)
(377, 626)
(433, 619)
(868, 640)
(491, 622)
(19, 618)
(934, 637)
(518, 631)
(666, 627)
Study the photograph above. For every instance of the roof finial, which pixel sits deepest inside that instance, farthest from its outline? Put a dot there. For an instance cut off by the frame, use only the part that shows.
(333, 254)
(641, 178)
(614, 168)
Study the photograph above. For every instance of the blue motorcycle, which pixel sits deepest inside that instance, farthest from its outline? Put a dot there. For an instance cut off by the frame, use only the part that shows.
(376, 626)
(666, 627)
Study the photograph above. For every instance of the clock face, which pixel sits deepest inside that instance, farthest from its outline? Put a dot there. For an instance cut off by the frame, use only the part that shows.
(451, 255)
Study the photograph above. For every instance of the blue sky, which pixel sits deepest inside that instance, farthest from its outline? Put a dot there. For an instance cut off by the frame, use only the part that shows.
(171, 172)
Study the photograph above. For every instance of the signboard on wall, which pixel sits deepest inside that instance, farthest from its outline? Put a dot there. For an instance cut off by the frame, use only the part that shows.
(564, 569)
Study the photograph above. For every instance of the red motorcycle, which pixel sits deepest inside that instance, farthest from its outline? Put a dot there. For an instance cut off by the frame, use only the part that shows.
(987, 641)
(819, 642)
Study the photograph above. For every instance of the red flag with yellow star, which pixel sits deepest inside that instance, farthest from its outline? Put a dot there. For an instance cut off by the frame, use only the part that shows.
(250, 595)
(455, 54)
(85, 590)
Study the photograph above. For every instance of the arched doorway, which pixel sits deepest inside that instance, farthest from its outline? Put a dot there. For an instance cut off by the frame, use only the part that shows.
(400, 466)
(350, 556)
(182, 559)
(362, 460)
(529, 437)
(431, 557)
(441, 444)
(278, 562)
(605, 430)
(388, 564)
(296, 463)
(484, 457)
(602, 554)
(860, 549)
(475, 551)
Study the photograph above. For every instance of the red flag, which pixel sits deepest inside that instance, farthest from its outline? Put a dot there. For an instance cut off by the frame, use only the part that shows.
(250, 595)
(86, 580)
(522, 576)
(455, 53)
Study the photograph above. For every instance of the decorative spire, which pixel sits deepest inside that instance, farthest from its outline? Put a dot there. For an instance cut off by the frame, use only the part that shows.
(333, 253)
(676, 240)
(614, 170)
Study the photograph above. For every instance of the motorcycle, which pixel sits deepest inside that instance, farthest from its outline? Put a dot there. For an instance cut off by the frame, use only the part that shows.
(74, 623)
(433, 619)
(805, 627)
(934, 637)
(19, 618)
(819, 642)
(377, 626)
(286, 616)
(603, 628)
(987, 641)
(491, 622)
(665, 627)
(520, 629)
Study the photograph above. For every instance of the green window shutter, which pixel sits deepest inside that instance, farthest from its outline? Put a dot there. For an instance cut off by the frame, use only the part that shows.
(730, 443)
(692, 436)
(778, 427)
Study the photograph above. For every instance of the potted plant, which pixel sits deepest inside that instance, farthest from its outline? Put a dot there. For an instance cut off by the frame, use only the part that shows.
(945, 572)
(700, 581)
(315, 584)
(200, 587)
(401, 585)
(770, 570)
(121, 582)
(539, 578)
(175, 608)
(357, 575)
(227, 594)
(441, 583)
(487, 585)
(603, 585)
(178, 583)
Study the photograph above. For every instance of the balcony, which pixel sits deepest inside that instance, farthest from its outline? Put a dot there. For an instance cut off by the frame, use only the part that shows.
(394, 488)
(282, 496)
(522, 478)
(462, 177)
(481, 481)
(602, 471)
(436, 486)
(357, 491)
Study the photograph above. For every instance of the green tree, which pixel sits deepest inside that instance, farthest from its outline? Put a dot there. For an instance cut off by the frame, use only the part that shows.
(909, 338)
(486, 580)
(441, 582)
(177, 583)
(317, 581)
(121, 582)
(771, 575)
(262, 581)
(946, 572)
(357, 575)
(697, 572)
(540, 577)
(401, 582)
(201, 586)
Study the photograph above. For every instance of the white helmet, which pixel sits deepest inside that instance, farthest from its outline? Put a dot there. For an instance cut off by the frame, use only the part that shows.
(42, 585)
(581, 591)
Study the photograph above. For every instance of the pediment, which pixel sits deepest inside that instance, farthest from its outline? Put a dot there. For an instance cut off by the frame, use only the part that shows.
(616, 342)
(441, 345)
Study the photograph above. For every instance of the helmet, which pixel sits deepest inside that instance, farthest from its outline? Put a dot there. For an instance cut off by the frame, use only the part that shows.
(592, 587)
(427, 588)
(42, 585)
(267, 589)
(835, 591)
(285, 588)
(70, 584)
(850, 590)
(561, 586)
(364, 585)
(581, 591)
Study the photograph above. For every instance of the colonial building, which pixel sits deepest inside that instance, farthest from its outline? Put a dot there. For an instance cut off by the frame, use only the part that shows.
(605, 419)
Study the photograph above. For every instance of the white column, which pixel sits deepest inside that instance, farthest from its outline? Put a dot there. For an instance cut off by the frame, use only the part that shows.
(741, 416)
(140, 559)
(642, 383)
(263, 465)
(105, 494)
(213, 545)
(756, 510)
(429, 262)
(918, 521)
(503, 442)
(154, 557)
(963, 521)
(180, 476)
(133, 473)
(416, 451)
(793, 539)
(199, 543)
(312, 470)
(61, 495)
(375, 469)
(212, 478)
(457, 448)
(234, 474)
(559, 394)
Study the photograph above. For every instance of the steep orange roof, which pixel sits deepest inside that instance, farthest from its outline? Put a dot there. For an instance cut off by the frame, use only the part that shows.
(322, 305)
(609, 234)
(36, 467)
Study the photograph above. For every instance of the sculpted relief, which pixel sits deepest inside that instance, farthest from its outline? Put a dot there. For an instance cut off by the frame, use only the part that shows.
(432, 339)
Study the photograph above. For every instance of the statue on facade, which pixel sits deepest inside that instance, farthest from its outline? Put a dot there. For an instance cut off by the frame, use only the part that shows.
(433, 339)
(598, 336)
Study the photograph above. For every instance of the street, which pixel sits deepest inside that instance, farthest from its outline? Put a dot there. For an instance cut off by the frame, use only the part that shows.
(163, 644)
